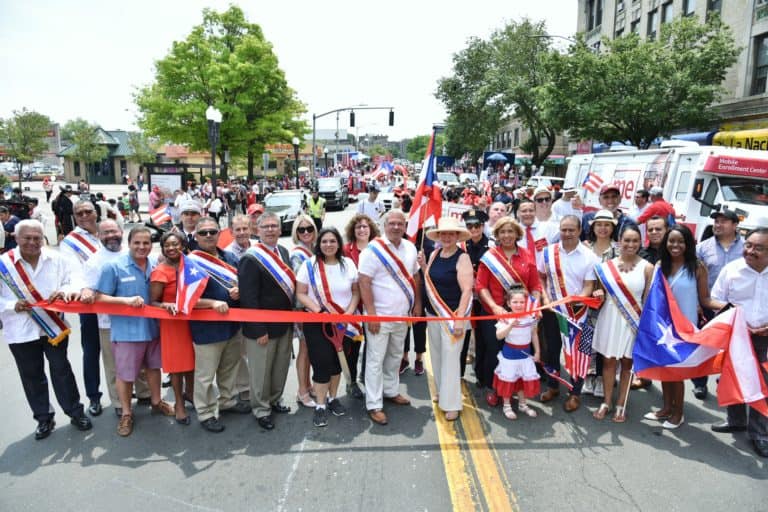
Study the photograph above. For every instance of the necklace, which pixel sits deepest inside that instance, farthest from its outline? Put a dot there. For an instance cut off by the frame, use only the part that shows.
(625, 266)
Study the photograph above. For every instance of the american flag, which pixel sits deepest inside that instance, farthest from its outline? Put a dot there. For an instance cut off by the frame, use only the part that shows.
(190, 284)
(428, 202)
(592, 182)
(577, 344)
(160, 215)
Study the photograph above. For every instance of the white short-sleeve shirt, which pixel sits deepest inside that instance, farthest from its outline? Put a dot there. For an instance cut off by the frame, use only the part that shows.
(340, 280)
(388, 297)
(741, 285)
(578, 266)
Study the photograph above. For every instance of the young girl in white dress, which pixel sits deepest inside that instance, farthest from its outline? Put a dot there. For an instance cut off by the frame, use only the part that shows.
(516, 370)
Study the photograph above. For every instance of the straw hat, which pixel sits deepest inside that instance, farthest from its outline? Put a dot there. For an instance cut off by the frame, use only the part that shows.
(449, 225)
(603, 216)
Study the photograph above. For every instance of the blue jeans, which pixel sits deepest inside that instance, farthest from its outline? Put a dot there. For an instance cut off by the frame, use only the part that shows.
(89, 339)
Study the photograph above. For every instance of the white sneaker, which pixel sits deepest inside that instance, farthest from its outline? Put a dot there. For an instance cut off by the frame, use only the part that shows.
(599, 389)
(589, 385)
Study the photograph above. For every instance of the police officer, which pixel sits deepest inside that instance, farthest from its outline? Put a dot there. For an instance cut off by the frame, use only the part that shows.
(316, 209)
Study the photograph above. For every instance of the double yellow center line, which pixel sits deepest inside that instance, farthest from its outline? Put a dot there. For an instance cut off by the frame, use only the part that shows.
(476, 479)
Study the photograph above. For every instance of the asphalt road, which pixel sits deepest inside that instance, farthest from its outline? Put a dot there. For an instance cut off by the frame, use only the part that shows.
(557, 461)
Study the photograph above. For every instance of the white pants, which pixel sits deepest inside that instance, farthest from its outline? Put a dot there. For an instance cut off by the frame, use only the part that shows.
(383, 353)
(445, 353)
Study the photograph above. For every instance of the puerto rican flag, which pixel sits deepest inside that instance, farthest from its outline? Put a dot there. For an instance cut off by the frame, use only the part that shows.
(160, 215)
(190, 285)
(670, 348)
(592, 182)
(428, 202)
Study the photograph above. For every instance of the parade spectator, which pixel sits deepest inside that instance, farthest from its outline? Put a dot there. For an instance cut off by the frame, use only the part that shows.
(327, 283)
(47, 188)
(266, 281)
(538, 234)
(496, 211)
(254, 212)
(190, 213)
(241, 230)
(9, 225)
(610, 198)
(569, 203)
(448, 280)
(33, 273)
(657, 206)
(372, 206)
(542, 199)
(388, 286)
(133, 201)
(624, 282)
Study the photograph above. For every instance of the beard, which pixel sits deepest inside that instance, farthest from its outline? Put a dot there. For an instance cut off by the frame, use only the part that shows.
(113, 244)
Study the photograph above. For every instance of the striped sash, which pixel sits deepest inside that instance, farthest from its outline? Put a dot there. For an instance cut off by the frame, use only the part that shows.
(396, 269)
(274, 265)
(496, 262)
(610, 277)
(302, 252)
(15, 277)
(218, 270)
(438, 304)
(82, 247)
(318, 280)
(556, 282)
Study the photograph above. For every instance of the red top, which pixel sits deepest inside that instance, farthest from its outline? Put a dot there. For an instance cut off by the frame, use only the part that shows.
(660, 208)
(521, 263)
(351, 251)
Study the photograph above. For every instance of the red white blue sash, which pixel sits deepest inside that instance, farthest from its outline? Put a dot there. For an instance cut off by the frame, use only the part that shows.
(276, 267)
(396, 268)
(218, 270)
(556, 281)
(622, 297)
(302, 252)
(15, 277)
(80, 245)
(438, 304)
(496, 262)
(318, 281)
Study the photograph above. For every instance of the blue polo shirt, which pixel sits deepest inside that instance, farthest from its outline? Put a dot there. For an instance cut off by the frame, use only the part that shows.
(715, 257)
(215, 332)
(123, 278)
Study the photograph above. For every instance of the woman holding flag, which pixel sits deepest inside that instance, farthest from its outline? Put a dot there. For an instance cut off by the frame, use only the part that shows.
(304, 236)
(625, 280)
(448, 280)
(327, 283)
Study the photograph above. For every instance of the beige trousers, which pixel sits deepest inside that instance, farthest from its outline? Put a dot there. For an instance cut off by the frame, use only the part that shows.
(446, 368)
(268, 366)
(219, 361)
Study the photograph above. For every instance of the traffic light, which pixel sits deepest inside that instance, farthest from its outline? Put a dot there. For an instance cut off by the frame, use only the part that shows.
(391, 118)
(352, 118)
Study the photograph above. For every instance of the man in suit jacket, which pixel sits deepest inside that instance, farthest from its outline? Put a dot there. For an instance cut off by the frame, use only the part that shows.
(268, 345)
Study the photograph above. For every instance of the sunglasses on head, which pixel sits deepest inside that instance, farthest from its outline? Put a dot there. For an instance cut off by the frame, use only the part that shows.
(305, 229)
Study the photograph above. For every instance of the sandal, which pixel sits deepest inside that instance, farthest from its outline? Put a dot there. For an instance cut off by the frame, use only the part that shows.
(508, 412)
(164, 408)
(306, 400)
(619, 416)
(600, 413)
(528, 411)
(451, 415)
(125, 425)
(436, 399)
(659, 415)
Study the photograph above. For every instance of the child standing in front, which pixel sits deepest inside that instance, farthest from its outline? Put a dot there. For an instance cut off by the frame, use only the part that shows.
(516, 371)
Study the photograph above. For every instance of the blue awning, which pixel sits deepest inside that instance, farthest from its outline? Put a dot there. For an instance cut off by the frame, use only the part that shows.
(702, 138)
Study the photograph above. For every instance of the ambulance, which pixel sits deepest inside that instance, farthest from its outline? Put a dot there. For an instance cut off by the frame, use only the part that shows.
(697, 180)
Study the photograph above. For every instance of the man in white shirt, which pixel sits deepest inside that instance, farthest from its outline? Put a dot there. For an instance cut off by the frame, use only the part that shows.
(577, 270)
(384, 294)
(569, 204)
(744, 283)
(50, 275)
(496, 211)
(372, 207)
(537, 235)
(241, 230)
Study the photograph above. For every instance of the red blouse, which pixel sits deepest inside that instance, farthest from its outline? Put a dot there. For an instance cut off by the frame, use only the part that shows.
(521, 263)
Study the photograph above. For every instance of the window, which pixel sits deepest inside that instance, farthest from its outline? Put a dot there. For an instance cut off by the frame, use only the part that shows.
(714, 5)
(761, 64)
(634, 27)
(619, 33)
(594, 13)
(682, 186)
(77, 167)
(653, 24)
(517, 137)
(709, 198)
(689, 7)
(667, 12)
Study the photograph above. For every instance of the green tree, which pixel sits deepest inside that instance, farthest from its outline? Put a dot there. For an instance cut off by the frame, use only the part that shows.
(143, 149)
(23, 136)
(86, 145)
(637, 90)
(417, 146)
(225, 62)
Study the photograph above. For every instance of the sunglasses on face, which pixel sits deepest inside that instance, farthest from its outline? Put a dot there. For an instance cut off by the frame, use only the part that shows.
(208, 232)
(543, 199)
(473, 225)
(305, 229)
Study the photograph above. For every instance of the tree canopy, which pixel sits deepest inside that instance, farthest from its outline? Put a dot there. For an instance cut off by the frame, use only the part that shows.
(636, 90)
(225, 62)
(23, 136)
(417, 146)
(87, 146)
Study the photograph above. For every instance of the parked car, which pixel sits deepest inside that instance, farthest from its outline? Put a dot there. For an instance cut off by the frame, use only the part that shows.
(334, 191)
(286, 204)
(545, 181)
(468, 178)
(448, 179)
(387, 196)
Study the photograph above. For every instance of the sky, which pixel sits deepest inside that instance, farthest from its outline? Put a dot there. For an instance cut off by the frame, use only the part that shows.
(86, 58)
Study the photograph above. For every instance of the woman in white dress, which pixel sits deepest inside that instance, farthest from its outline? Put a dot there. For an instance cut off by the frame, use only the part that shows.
(624, 282)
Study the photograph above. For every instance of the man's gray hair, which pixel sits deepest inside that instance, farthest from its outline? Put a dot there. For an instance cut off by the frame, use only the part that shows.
(28, 224)
(393, 211)
(81, 202)
(241, 218)
(268, 215)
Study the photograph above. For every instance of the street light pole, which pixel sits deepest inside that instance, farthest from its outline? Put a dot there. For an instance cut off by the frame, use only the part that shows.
(325, 152)
(295, 141)
(213, 115)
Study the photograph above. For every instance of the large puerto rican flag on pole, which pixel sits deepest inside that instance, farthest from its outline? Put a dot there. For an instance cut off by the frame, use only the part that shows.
(190, 285)
(428, 202)
(670, 348)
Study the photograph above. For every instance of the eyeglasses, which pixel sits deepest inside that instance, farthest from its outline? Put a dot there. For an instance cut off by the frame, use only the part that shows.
(543, 199)
(267, 227)
(208, 232)
(362, 226)
(474, 225)
(83, 213)
(305, 229)
(749, 246)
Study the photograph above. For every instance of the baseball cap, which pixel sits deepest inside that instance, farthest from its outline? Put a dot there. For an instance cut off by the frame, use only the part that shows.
(254, 209)
(728, 214)
(609, 187)
(190, 206)
(656, 191)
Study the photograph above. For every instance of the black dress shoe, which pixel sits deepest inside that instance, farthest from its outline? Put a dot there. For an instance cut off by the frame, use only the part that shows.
(44, 429)
(280, 408)
(95, 408)
(147, 400)
(238, 408)
(81, 422)
(724, 427)
(265, 422)
(700, 392)
(167, 382)
(761, 447)
(212, 425)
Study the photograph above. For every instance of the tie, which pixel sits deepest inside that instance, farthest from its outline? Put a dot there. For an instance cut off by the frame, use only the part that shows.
(190, 239)
(530, 244)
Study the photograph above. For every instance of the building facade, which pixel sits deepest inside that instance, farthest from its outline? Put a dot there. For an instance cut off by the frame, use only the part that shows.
(115, 168)
(745, 105)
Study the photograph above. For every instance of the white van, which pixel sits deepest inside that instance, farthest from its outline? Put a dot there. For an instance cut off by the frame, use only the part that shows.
(697, 180)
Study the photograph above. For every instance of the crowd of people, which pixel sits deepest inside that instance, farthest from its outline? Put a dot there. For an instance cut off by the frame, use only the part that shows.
(511, 256)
